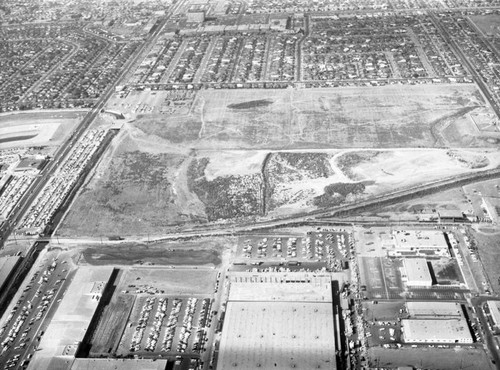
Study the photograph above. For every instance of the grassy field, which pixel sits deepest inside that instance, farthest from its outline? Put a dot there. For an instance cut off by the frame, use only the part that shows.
(487, 242)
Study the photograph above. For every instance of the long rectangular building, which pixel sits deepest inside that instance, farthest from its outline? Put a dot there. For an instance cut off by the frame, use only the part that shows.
(434, 310)
(69, 325)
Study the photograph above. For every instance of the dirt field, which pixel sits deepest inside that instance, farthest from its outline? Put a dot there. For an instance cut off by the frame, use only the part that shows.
(178, 281)
(487, 242)
(488, 24)
(389, 116)
(185, 158)
(454, 199)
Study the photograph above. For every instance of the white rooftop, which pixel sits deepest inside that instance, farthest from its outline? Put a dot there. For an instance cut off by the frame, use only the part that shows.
(294, 286)
(417, 271)
(436, 331)
(418, 239)
(278, 335)
(434, 309)
(494, 307)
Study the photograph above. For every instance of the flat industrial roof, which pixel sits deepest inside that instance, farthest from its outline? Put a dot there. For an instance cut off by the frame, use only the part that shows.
(277, 335)
(407, 239)
(118, 364)
(71, 320)
(494, 307)
(7, 265)
(434, 309)
(417, 270)
(436, 330)
(295, 286)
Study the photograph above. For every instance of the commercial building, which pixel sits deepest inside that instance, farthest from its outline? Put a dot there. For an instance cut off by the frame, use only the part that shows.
(436, 331)
(434, 310)
(70, 323)
(278, 321)
(416, 272)
(448, 216)
(419, 243)
(195, 16)
(494, 308)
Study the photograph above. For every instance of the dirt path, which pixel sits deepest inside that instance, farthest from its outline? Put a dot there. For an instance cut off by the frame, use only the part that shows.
(185, 199)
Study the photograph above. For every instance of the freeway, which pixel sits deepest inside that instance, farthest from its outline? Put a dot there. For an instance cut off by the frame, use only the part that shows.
(36, 303)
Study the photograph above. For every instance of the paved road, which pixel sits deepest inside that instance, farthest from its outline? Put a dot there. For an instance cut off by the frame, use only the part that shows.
(488, 338)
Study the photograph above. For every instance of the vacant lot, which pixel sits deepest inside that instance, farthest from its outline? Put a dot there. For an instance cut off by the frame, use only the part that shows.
(487, 242)
(389, 116)
(222, 156)
(488, 24)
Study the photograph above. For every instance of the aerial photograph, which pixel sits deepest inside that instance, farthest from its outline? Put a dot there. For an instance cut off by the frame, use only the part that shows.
(250, 184)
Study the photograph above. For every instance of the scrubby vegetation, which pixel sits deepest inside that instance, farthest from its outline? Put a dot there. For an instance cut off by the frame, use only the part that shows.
(283, 169)
(336, 194)
(226, 197)
(351, 159)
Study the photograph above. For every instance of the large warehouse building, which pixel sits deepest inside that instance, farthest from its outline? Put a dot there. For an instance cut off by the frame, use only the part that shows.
(494, 307)
(281, 322)
(70, 323)
(416, 272)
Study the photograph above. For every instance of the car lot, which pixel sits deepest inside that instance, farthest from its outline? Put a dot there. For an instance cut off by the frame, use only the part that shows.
(329, 248)
(27, 317)
(162, 324)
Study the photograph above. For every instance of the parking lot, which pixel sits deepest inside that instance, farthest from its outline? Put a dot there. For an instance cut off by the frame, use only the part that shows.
(331, 249)
(162, 324)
